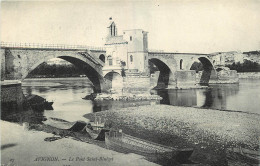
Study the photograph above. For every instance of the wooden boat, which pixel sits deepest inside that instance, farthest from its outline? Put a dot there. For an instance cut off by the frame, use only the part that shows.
(97, 134)
(243, 155)
(65, 125)
(96, 130)
(124, 143)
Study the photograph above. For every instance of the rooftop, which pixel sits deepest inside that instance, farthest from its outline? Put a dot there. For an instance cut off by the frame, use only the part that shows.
(116, 40)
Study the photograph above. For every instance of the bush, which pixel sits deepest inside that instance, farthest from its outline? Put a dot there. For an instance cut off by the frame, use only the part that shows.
(247, 66)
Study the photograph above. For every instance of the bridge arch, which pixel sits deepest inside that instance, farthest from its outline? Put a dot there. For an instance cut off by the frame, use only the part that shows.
(92, 74)
(208, 71)
(114, 80)
(20, 66)
(166, 77)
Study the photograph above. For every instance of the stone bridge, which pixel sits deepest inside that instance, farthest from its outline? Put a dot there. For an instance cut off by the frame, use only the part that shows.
(175, 68)
(19, 60)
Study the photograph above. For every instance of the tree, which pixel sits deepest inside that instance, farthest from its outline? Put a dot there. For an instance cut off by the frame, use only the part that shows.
(247, 66)
(198, 66)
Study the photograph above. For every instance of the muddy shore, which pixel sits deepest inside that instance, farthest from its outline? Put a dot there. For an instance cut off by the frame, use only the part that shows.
(208, 131)
(24, 148)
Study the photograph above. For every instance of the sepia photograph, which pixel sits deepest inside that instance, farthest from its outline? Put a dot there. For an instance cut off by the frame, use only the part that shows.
(130, 83)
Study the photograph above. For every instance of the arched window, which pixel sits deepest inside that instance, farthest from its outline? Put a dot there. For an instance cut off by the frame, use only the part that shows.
(110, 60)
(181, 64)
(131, 58)
(102, 58)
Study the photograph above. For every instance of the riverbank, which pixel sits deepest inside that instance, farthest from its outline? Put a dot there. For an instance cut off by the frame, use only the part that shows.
(53, 82)
(62, 78)
(208, 131)
(255, 75)
(25, 148)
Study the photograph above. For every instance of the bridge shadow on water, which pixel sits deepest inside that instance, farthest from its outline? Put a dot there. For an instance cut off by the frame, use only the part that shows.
(213, 97)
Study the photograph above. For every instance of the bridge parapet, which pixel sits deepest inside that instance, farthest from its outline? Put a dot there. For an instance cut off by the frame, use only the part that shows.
(50, 46)
(93, 59)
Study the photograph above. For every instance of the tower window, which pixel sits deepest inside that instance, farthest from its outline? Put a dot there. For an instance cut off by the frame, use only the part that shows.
(102, 58)
(181, 61)
(114, 30)
(110, 60)
(130, 38)
(131, 58)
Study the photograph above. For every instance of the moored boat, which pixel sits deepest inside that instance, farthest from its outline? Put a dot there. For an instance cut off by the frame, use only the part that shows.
(243, 155)
(65, 125)
(120, 142)
(97, 129)
(97, 134)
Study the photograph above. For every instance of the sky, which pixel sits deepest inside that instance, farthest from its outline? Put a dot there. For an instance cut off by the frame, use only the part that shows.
(199, 26)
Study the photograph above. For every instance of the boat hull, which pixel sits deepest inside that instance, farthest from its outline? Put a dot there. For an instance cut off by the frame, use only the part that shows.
(65, 125)
(237, 156)
(97, 134)
(152, 151)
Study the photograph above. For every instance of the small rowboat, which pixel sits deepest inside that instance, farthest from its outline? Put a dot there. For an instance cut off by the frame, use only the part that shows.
(65, 125)
(97, 134)
(243, 155)
(124, 143)
(97, 129)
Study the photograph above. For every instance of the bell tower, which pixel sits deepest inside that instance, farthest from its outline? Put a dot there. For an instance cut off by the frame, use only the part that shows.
(111, 29)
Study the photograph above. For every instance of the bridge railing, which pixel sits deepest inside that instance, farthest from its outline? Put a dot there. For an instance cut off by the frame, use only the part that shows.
(49, 46)
(154, 50)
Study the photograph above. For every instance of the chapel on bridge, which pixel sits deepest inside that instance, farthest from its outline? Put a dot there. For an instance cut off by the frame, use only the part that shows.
(128, 51)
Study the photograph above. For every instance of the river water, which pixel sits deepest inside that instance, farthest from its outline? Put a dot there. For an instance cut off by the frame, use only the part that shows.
(68, 104)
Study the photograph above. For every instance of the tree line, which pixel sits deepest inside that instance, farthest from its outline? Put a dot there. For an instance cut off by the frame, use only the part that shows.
(247, 66)
(53, 70)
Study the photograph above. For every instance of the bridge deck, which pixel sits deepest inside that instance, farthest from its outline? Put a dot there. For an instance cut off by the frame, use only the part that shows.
(177, 53)
(37, 46)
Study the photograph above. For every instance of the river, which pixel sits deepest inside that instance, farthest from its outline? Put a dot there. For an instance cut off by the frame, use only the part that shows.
(68, 104)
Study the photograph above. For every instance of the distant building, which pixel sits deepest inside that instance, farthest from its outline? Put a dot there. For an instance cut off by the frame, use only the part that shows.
(253, 56)
(128, 51)
(228, 58)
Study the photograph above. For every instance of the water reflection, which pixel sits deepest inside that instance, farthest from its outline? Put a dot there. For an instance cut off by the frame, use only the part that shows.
(213, 97)
(68, 103)
(109, 105)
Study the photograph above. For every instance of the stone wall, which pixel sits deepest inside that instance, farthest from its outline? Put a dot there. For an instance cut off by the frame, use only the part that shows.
(186, 78)
(227, 77)
(12, 97)
(139, 84)
(11, 91)
(154, 79)
(2, 52)
(222, 77)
